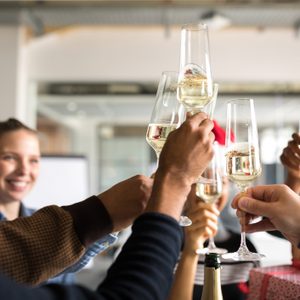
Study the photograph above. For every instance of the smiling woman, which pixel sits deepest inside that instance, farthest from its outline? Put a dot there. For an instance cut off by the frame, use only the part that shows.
(19, 170)
(19, 166)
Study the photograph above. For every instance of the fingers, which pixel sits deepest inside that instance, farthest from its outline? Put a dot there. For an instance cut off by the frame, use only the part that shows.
(294, 147)
(261, 192)
(236, 199)
(201, 215)
(199, 208)
(288, 163)
(263, 225)
(291, 156)
(254, 207)
(207, 126)
(210, 229)
(203, 228)
(296, 138)
(200, 119)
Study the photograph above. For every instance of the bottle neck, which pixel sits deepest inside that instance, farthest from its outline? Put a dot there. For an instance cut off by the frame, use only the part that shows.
(212, 284)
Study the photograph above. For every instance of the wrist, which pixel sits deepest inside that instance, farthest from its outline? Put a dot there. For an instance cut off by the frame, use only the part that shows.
(191, 247)
(190, 253)
(169, 194)
(91, 219)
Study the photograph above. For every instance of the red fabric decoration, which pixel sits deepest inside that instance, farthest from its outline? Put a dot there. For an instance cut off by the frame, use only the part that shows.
(243, 287)
(220, 134)
(296, 263)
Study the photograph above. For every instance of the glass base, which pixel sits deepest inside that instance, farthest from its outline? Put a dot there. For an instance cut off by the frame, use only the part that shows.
(243, 254)
(185, 221)
(212, 250)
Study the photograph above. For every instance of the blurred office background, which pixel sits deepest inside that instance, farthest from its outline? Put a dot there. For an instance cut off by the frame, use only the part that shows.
(85, 73)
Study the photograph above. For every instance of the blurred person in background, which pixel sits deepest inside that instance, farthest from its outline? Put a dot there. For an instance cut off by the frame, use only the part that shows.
(19, 170)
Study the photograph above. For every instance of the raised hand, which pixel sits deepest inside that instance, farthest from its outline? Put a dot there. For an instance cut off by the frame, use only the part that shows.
(277, 203)
(205, 219)
(290, 158)
(188, 149)
(184, 156)
(127, 200)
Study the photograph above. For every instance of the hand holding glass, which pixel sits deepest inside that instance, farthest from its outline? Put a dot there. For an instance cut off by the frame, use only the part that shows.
(209, 189)
(166, 117)
(242, 158)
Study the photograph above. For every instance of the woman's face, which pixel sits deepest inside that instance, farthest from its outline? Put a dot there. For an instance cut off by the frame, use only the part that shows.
(19, 164)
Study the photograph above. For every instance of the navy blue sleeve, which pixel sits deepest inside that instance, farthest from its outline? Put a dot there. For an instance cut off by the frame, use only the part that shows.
(143, 270)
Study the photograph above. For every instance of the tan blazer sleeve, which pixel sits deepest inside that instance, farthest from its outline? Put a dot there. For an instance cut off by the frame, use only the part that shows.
(35, 248)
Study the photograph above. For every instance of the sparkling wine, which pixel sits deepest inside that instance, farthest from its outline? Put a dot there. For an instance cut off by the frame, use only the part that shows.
(209, 192)
(157, 134)
(243, 164)
(194, 91)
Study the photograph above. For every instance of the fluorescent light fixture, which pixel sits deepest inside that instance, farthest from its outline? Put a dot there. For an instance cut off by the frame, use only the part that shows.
(215, 20)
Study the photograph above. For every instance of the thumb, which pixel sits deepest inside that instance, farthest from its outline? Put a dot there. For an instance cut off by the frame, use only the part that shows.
(254, 207)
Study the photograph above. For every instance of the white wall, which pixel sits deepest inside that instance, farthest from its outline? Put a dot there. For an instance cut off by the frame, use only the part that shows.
(12, 73)
(103, 54)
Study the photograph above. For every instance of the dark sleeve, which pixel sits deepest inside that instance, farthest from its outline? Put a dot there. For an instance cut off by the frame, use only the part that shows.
(91, 220)
(143, 270)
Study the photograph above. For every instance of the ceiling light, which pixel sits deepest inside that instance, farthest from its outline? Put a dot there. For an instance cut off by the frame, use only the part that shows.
(215, 20)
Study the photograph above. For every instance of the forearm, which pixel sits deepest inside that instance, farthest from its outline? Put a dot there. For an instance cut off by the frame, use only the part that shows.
(167, 186)
(143, 270)
(183, 283)
(91, 220)
(36, 248)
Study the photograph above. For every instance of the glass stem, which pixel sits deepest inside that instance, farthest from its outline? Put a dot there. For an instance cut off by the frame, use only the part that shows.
(211, 244)
(157, 159)
(243, 244)
(243, 240)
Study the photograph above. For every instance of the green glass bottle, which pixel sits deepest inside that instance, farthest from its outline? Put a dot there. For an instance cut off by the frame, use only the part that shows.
(212, 278)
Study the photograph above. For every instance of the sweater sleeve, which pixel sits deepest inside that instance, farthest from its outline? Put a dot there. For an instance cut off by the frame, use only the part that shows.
(143, 270)
(36, 248)
(91, 220)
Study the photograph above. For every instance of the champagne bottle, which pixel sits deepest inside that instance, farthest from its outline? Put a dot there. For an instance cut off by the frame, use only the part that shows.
(212, 279)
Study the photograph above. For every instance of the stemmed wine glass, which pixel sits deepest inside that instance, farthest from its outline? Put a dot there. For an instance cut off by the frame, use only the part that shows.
(166, 116)
(209, 189)
(242, 158)
(195, 84)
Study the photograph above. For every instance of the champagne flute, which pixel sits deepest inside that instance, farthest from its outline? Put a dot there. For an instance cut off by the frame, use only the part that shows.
(195, 85)
(166, 116)
(209, 189)
(242, 158)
